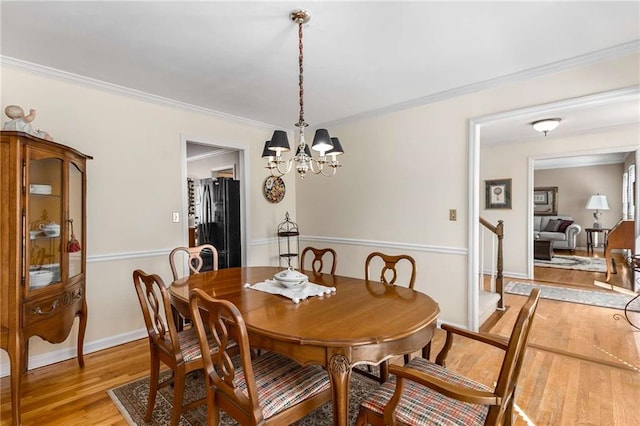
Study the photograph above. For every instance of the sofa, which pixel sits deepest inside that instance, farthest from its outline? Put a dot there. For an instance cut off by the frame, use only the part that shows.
(561, 230)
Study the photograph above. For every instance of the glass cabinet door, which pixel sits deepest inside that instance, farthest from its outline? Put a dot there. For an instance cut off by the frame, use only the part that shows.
(44, 219)
(74, 220)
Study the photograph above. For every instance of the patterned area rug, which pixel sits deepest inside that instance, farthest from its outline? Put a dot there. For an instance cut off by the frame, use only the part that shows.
(586, 297)
(579, 263)
(131, 400)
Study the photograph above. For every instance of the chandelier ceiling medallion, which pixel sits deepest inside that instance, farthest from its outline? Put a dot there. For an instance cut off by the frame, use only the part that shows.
(328, 148)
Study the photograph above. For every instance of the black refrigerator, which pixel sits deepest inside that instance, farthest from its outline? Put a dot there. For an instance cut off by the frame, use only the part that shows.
(219, 220)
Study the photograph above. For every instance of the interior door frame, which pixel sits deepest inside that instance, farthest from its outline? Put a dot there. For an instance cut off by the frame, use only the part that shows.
(242, 174)
(475, 128)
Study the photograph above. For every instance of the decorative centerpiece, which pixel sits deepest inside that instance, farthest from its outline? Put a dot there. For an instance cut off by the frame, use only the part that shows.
(291, 278)
(22, 123)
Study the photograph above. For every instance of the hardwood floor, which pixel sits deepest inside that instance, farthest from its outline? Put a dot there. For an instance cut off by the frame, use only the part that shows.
(582, 367)
(622, 277)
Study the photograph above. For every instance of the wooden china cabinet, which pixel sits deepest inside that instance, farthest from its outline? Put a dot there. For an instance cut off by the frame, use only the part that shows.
(42, 247)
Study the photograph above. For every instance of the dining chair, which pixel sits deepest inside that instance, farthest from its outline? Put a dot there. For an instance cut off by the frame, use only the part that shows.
(270, 389)
(388, 263)
(317, 263)
(195, 257)
(180, 351)
(426, 393)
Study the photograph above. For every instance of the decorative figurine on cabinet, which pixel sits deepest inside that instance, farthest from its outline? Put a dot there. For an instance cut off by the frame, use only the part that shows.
(22, 123)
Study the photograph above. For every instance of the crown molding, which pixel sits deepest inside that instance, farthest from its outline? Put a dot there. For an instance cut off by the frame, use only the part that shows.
(124, 91)
(586, 59)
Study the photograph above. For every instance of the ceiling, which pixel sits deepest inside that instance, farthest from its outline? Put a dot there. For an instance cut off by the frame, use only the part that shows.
(241, 58)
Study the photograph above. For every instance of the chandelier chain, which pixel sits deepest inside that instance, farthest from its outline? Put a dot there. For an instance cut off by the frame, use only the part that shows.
(301, 122)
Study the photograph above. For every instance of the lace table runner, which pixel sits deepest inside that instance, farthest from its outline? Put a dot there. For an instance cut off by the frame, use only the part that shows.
(295, 294)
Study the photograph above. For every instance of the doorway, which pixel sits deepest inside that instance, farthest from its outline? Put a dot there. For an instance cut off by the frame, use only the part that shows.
(519, 219)
(204, 160)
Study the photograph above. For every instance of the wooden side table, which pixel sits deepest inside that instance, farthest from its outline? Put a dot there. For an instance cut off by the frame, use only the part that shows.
(543, 249)
(590, 232)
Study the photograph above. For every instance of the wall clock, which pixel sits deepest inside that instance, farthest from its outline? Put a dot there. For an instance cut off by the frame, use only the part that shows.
(273, 189)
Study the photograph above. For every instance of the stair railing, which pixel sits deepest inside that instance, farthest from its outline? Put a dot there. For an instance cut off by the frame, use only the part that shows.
(498, 231)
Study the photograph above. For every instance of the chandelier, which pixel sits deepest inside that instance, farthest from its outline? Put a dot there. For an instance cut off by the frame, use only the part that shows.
(328, 148)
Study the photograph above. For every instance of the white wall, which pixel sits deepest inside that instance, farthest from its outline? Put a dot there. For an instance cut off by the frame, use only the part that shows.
(404, 170)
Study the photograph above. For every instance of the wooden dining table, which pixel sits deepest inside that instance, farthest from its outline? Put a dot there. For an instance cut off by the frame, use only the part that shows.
(363, 322)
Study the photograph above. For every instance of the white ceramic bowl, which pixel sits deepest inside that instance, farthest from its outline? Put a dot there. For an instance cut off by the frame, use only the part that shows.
(291, 278)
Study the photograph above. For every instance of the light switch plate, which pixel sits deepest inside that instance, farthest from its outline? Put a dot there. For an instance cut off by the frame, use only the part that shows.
(453, 215)
(175, 217)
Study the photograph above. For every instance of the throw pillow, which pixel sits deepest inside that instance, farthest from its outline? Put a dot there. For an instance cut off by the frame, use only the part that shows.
(564, 225)
(553, 225)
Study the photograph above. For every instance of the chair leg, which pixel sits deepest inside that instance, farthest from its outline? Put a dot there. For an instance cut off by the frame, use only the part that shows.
(384, 371)
(213, 413)
(426, 351)
(153, 385)
(362, 417)
(508, 413)
(178, 394)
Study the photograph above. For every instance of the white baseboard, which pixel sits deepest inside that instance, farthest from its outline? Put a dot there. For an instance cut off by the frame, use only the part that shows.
(69, 353)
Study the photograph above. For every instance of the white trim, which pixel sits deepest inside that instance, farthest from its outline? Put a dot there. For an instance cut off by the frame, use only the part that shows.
(589, 58)
(475, 125)
(273, 240)
(264, 242)
(127, 255)
(387, 244)
(473, 260)
(121, 90)
(69, 353)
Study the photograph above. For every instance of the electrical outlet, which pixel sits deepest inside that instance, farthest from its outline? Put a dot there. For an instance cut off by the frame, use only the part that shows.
(175, 217)
(453, 215)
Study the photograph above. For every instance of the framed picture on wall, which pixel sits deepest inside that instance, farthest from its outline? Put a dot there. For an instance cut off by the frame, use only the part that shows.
(498, 194)
(540, 197)
(545, 201)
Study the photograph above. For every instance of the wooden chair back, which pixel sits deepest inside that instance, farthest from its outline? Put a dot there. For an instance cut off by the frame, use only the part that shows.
(156, 310)
(225, 323)
(439, 382)
(317, 264)
(512, 363)
(195, 258)
(165, 344)
(390, 264)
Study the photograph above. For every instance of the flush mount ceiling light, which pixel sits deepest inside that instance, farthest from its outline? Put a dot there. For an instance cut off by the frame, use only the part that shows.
(328, 148)
(546, 125)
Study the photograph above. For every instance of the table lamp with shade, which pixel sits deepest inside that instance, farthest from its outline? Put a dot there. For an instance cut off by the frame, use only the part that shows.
(597, 202)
